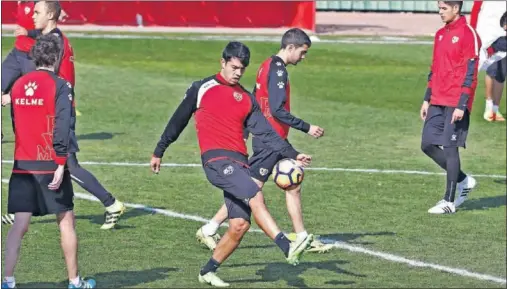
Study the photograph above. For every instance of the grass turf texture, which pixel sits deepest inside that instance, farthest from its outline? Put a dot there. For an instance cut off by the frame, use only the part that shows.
(367, 97)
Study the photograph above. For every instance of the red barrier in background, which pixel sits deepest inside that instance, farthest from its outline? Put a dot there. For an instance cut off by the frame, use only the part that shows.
(236, 14)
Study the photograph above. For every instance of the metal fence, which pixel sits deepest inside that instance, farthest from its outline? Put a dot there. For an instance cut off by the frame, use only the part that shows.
(385, 6)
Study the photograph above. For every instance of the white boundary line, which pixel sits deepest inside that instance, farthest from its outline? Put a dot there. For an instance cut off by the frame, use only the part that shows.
(369, 171)
(336, 244)
(256, 38)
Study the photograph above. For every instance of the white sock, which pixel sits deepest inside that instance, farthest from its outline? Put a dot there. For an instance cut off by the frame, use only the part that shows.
(210, 228)
(495, 108)
(301, 236)
(489, 104)
(76, 281)
(10, 281)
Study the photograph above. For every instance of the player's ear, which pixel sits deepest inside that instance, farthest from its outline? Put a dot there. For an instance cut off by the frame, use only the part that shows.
(455, 9)
(222, 63)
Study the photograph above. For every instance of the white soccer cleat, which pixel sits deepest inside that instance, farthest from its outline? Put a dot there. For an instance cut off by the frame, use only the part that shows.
(212, 279)
(210, 242)
(443, 207)
(463, 190)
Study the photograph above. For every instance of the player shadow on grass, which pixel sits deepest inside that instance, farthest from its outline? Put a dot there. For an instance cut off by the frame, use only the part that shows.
(98, 136)
(291, 274)
(484, 203)
(115, 279)
(99, 219)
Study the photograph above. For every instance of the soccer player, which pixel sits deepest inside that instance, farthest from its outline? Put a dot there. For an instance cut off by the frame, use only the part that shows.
(40, 183)
(222, 109)
(45, 15)
(496, 72)
(18, 62)
(272, 92)
(448, 101)
(484, 18)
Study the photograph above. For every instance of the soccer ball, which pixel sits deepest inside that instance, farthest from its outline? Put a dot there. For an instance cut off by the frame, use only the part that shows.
(288, 174)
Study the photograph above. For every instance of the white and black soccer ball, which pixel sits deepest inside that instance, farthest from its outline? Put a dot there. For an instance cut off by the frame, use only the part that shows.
(287, 174)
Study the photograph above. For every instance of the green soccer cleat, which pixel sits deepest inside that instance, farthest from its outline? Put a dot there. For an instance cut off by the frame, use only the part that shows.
(8, 219)
(112, 215)
(317, 246)
(297, 249)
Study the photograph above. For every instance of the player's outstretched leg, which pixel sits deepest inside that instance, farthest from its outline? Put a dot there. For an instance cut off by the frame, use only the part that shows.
(294, 207)
(293, 251)
(68, 238)
(114, 208)
(207, 234)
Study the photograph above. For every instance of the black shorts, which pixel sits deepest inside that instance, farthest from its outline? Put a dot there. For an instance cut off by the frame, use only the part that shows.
(498, 70)
(16, 64)
(29, 193)
(262, 162)
(438, 129)
(235, 180)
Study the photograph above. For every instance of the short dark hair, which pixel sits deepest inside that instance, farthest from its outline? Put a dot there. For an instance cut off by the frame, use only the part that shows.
(454, 3)
(235, 49)
(296, 37)
(46, 50)
(503, 19)
(54, 7)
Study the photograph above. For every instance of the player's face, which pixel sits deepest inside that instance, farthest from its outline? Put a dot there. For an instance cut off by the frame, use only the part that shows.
(447, 13)
(41, 16)
(232, 70)
(297, 54)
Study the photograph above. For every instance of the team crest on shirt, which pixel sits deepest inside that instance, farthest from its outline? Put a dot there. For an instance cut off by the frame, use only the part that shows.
(455, 39)
(237, 96)
(27, 10)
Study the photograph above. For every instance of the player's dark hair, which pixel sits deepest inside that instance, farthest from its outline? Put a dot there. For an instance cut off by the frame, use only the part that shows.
(237, 50)
(55, 8)
(455, 3)
(503, 19)
(46, 50)
(296, 37)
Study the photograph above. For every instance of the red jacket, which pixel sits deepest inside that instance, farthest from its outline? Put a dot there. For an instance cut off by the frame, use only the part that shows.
(453, 77)
(41, 116)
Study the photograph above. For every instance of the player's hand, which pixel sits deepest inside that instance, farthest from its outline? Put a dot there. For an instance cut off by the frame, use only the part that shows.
(424, 110)
(6, 99)
(457, 115)
(316, 131)
(155, 164)
(304, 160)
(57, 178)
(20, 31)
